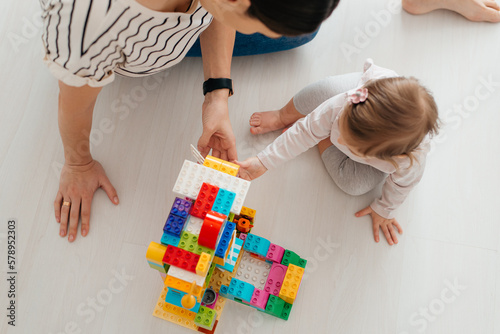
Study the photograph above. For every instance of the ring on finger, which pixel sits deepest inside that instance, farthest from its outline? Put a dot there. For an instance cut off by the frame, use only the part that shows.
(66, 203)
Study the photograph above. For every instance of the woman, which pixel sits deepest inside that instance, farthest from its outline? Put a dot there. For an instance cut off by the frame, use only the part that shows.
(87, 42)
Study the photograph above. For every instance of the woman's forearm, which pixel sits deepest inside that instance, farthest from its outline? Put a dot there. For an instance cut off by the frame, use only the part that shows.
(76, 105)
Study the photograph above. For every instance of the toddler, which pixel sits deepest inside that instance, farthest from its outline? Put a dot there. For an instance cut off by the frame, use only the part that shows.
(370, 127)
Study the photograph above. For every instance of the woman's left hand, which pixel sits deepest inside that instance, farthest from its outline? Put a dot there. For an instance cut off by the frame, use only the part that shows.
(217, 133)
(387, 225)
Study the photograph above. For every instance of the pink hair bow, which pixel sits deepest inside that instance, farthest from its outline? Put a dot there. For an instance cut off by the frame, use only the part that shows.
(357, 96)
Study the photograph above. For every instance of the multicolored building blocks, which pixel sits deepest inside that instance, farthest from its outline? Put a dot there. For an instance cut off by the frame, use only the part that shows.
(207, 254)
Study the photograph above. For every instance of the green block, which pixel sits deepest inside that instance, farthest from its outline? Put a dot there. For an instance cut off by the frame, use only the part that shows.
(293, 258)
(205, 318)
(210, 273)
(278, 307)
(230, 218)
(189, 242)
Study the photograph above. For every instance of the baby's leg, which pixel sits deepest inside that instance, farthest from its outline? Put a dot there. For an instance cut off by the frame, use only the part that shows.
(474, 10)
(352, 177)
(303, 103)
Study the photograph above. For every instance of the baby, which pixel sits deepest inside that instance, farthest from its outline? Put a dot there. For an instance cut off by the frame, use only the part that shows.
(370, 127)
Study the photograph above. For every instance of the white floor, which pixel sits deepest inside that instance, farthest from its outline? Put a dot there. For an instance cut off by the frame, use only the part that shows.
(443, 277)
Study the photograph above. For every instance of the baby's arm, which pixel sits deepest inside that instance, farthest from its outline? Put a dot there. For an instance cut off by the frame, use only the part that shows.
(303, 135)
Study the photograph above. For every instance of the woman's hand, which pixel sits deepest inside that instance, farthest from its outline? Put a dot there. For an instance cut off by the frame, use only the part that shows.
(251, 168)
(217, 133)
(77, 186)
(387, 225)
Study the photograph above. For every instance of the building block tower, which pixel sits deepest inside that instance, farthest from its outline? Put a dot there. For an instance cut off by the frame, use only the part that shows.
(207, 254)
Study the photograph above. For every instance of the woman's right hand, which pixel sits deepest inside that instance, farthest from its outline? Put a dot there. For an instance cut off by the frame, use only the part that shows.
(251, 168)
(77, 186)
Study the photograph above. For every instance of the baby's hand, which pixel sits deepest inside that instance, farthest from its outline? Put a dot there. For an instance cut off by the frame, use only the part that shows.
(384, 223)
(251, 168)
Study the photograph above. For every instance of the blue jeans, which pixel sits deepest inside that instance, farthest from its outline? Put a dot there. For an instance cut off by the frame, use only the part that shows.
(247, 45)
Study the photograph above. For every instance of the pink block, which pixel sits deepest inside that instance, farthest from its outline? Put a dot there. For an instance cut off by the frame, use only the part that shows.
(275, 253)
(275, 279)
(243, 236)
(259, 298)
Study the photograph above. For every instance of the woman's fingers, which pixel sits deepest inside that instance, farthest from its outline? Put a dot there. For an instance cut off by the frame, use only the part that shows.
(57, 206)
(65, 209)
(85, 212)
(73, 219)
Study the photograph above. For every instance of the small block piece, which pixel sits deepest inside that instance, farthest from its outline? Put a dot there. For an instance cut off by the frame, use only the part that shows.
(174, 225)
(243, 236)
(233, 256)
(179, 311)
(171, 312)
(203, 264)
(160, 267)
(209, 232)
(168, 239)
(189, 242)
(257, 245)
(212, 331)
(225, 240)
(181, 207)
(193, 225)
(210, 273)
(275, 279)
(204, 201)
(259, 299)
(205, 317)
(278, 307)
(291, 283)
(181, 258)
(253, 270)
(224, 201)
(248, 213)
(181, 285)
(229, 168)
(213, 162)
(156, 252)
(230, 218)
(292, 258)
(241, 290)
(275, 253)
(243, 225)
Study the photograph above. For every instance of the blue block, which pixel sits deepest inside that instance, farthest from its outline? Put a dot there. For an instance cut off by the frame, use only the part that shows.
(225, 239)
(223, 291)
(232, 258)
(168, 239)
(174, 297)
(174, 225)
(224, 201)
(257, 245)
(240, 289)
(181, 207)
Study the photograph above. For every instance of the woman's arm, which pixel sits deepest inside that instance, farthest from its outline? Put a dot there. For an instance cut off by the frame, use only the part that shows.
(217, 43)
(81, 176)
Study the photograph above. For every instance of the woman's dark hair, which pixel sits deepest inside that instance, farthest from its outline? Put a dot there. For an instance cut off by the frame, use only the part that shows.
(292, 17)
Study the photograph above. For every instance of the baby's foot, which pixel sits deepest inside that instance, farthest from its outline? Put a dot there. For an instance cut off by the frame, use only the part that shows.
(264, 122)
(474, 10)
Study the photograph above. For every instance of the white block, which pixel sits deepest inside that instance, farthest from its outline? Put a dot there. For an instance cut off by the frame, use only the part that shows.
(193, 225)
(186, 275)
(253, 271)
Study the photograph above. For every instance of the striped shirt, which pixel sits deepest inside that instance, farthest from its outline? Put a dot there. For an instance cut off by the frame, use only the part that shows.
(86, 42)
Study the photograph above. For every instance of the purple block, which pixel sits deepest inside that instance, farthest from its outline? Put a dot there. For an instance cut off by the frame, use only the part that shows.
(275, 279)
(181, 207)
(259, 298)
(275, 253)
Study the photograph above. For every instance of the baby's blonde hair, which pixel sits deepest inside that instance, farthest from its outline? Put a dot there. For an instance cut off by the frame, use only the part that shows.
(395, 118)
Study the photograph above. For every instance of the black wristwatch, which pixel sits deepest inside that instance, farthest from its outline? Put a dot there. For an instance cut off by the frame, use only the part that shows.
(218, 83)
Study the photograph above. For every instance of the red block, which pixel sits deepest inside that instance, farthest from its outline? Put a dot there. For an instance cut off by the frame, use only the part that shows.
(181, 258)
(205, 200)
(210, 229)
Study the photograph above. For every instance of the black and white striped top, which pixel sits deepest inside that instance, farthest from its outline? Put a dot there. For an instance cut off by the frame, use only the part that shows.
(88, 41)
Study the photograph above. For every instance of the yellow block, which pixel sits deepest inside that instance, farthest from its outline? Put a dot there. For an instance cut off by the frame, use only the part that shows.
(156, 252)
(203, 264)
(291, 283)
(181, 285)
(250, 213)
(213, 162)
(229, 168)
(218, 260)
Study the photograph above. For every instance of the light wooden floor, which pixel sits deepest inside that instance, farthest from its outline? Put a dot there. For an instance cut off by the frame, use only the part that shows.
(451, 226)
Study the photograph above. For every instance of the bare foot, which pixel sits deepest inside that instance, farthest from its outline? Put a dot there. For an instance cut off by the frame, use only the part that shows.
(474, 10)
(264, 122)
